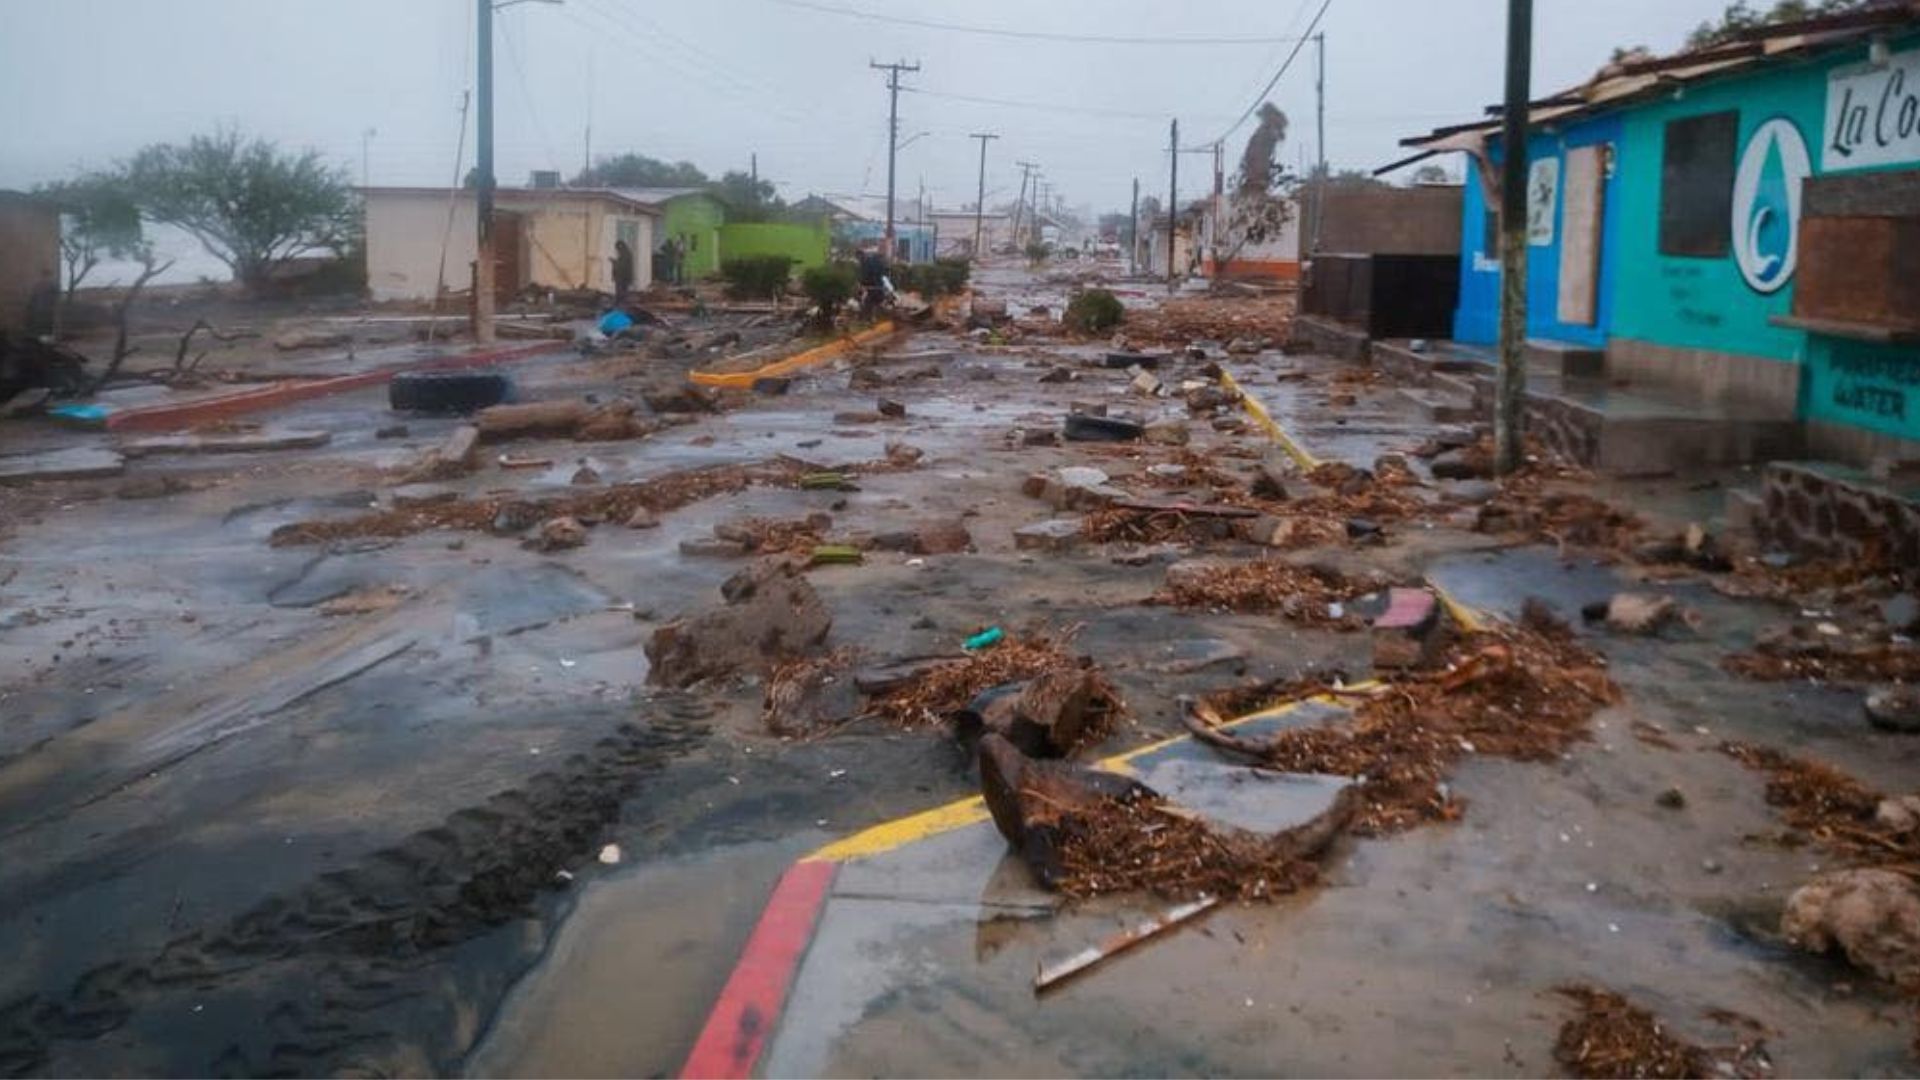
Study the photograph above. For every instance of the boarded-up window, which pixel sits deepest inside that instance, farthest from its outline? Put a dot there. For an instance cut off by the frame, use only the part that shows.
(1696, 185)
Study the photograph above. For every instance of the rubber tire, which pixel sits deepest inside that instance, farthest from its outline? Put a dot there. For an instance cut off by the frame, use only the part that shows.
(457, 392)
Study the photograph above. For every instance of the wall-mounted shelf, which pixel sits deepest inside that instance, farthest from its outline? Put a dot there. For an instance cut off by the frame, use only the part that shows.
(1857, 331)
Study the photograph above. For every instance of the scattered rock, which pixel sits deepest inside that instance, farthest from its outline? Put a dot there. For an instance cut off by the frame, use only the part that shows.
(770, 613)
(643, 518)
(516, 517)
(1146, 384)
(585, 475)
(392, 431)
(890, 408)
(855, 417)
(903, 455)
(1900, 814)
(1895, 707)
(1460, 464)
(1901, 612)
(558, 534)
(1364, 529)
(1243, 346)
(1873, 916)
(1053, 535)
(772, 385)
(1672, 799)
(1471, 492)
(1080, 427)
(688, 398)
(703, 547)
(1639, 613)
(1271, 475)
(1411, 632)
(1058, 375)
(1167, 433)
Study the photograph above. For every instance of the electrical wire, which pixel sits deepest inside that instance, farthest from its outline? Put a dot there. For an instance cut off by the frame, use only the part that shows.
(1077, 110)
(1028, 35)
(1275, 81)
(526, 95)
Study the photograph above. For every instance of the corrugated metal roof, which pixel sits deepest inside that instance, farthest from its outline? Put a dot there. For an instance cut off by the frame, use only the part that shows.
(1619, 85)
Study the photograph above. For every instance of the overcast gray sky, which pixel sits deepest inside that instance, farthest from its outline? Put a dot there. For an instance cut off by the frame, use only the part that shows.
(92, 80)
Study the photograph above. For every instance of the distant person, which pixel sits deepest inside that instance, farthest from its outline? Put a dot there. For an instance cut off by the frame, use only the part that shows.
(622, 271)
(874, 286)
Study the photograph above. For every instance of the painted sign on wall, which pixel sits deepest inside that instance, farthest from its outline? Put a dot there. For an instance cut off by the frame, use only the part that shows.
(1766, 204)
(1873, 115)
(1543, 197)
(1870, 386)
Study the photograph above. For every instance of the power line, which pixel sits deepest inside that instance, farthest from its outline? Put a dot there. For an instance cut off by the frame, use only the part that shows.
(1078, 110)
(1028, 35)
(526, 96)
(1298, 44)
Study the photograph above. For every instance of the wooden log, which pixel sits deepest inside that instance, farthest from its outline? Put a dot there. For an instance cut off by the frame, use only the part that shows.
(502, 422)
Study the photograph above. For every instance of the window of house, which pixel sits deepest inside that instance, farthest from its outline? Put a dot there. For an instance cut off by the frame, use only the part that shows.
(1696, 185)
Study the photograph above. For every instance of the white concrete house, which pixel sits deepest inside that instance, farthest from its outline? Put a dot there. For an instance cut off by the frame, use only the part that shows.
(560, 238)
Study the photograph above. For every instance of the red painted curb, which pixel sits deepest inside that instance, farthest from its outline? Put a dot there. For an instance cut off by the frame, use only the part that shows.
(742, 1020)
(275, 395)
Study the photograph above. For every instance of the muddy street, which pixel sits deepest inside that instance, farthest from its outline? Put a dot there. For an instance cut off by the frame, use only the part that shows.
(332, 759)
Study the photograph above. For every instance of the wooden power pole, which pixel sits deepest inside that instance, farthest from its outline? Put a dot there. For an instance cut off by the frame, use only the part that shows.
(483, 262)
(893, 71)
(1173, 195)
(1511, 387)
(980, 200)
(1133, 232)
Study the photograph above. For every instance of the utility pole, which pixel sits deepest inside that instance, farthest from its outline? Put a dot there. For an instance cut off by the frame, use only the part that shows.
(893, 71)
(366, 159)
(1027, 169)
(1173, 194)
(1219, 194)
(753, 167)
(1133, 232)
(1320, 136)
(586, 150)
(1511, 388)
(483, 263)
(980, 200)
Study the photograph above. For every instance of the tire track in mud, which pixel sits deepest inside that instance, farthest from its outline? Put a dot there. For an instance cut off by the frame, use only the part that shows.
(309, 979)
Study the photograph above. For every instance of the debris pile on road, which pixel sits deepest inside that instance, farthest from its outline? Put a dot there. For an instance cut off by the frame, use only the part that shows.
(617, 503)
(1802, 651)
(768, 614)
(1265, 322)
(1308, 594)
(1161, 523)
(949, 689)
(1829, 807)
(1612, 1037)
(1511, 693)
(1565, 519)
(1087, 832)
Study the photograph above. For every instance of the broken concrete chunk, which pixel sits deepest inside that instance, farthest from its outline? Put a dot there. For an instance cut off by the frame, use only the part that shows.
(1146, 385)
(1027, 799)
(558, 534)
(770, 614)
(1168, 433)
(1054, 535)
(643, 518)
(1460, 464)
(890, 408)
(1640, 613)
(1895, 707)
(76, 463)
(1411, 632)
(1872, 916)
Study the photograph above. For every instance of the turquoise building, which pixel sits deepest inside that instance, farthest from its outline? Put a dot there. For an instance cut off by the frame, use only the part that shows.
(1739, 224)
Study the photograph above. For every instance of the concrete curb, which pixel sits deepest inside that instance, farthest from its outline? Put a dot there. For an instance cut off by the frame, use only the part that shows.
(275, 395)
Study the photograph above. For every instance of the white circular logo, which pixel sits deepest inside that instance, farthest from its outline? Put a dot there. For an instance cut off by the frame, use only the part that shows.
(1766, 204)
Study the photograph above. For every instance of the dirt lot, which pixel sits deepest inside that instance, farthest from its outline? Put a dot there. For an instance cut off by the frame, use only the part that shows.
(317, 806)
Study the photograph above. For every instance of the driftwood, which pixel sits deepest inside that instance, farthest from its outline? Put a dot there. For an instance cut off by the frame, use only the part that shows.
(499, 423)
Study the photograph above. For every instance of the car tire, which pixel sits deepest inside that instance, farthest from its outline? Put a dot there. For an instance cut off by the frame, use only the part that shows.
(457, 392)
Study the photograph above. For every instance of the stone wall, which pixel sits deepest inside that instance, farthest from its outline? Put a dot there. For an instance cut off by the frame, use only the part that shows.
(1818, 509)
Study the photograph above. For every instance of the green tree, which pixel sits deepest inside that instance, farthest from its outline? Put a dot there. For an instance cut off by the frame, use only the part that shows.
(1739, 17)
(747, 199)
(98, 221)
(251, 205)
(638, 170)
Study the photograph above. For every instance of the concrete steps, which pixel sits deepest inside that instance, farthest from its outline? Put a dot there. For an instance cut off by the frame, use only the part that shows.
(1565, 359)
(1440, 406)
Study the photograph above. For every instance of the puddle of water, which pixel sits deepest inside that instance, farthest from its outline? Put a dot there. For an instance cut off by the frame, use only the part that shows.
(629, 979)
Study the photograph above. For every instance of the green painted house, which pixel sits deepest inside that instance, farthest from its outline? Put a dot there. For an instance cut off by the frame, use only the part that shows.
(1738, 224)
(691, 222)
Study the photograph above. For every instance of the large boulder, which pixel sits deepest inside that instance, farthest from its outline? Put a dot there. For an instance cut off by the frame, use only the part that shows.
(769, 613)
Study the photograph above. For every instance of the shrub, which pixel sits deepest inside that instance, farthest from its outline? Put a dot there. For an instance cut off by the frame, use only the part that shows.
(1037, 252)
(827, 288)
(1094, 311)
(756, 277)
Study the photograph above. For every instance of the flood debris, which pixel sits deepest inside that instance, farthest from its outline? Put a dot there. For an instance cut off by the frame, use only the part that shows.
(557, 534)
(1086, 832)
(615, 502)
(1609, 1036)
(1058, 701)
(1642, 614)
(1894, 708)
(1411, 632)
(768, 614)
(1872, 916)
(1826, 806)
(1053, 974)
(1504, 692)
(1803, 651)
(809, 695)
(1306, 594)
